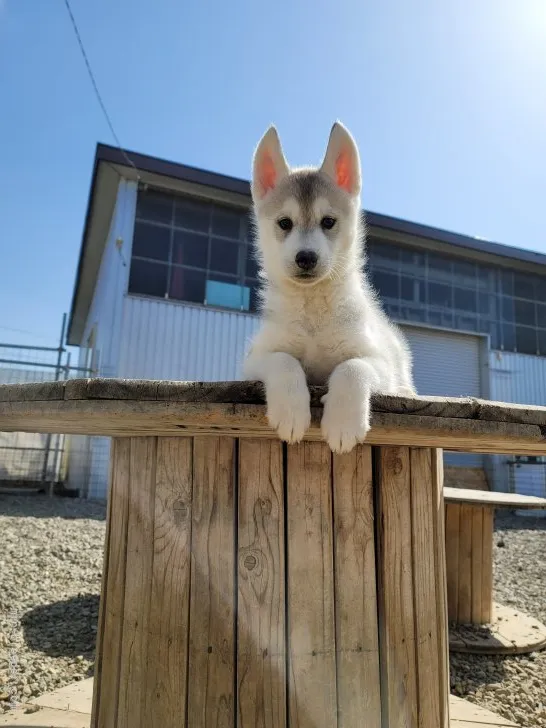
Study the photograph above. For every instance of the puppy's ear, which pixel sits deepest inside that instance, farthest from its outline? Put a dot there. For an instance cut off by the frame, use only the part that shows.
(341, 161)
(269, 166)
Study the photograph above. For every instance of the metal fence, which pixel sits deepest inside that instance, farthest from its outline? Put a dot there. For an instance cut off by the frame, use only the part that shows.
(32, 460)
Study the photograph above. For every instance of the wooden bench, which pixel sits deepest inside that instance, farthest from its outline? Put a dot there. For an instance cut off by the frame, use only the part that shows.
(469, 564)
(247, 583)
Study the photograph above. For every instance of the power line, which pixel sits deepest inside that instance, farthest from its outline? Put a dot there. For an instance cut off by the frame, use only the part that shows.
(96, 88)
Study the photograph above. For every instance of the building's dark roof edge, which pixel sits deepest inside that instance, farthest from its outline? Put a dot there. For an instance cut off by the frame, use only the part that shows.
(163, 167)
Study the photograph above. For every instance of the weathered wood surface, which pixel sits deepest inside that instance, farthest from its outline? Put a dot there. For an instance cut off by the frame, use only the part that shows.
(492, 499)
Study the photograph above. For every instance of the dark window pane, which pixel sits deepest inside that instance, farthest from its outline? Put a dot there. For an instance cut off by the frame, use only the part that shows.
(251, 269)
(507, 308)
(541, 289)
(525, 313)
(507, 282)
(412, 261)
(491, 328)
(392, 309)
(464, 300)
(486, 278)
(384, 253)
(466, 323)
(508, 337)
(412, 289)
(147, 278)
(413, 313)
(226, 222)
(187, 285)
(526, 340)
(524, 285)
(155, 206)
(386, 283)
(224, 256)
(464, 274)
(541, 314)
(151, 241)
(542, 341)
(439, 295)
(192, 214)
(190, 249)
(439, 268)
(487, 305)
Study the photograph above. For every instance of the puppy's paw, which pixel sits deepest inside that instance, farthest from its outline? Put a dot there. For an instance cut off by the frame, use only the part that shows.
(289, 408)
(345, 420)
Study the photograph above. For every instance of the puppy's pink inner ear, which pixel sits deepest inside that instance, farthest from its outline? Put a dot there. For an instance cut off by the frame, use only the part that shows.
(267, 173)
(345, 172)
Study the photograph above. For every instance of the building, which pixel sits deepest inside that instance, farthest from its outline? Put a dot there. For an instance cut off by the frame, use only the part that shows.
(166, 288)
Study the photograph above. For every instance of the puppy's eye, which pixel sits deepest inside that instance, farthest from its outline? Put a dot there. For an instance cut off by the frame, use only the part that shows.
(327, 223)
(286, 224)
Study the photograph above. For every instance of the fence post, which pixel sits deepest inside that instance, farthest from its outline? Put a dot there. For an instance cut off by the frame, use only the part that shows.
(58, 370)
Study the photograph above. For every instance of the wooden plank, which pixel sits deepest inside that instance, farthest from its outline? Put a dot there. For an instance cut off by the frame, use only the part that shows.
(138, 584)
(261, 654)
(453, 518)
(487, 565)
(492, 499)
(119, 418)
(469, 715)
(211, 676)
(465, 565)
(310, 598)
(396, 595)
(110, 629)
(357, 646)
(424, 587)
(167, 663)
(441, 583)
(476, 616)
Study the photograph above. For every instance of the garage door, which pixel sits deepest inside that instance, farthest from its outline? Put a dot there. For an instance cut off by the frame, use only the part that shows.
(448, 365)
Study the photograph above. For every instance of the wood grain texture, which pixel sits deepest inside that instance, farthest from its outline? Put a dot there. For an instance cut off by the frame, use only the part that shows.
(110, 630)
(138, 584)
(493, 499)
(439, 551)
(423, 515)
(487, 565)
(464, 610)
(476, 616)
(261, 654)
(310, 598)
(211, 676)
(357, 648)
(167, 660)
(396, 590)
(453, 518)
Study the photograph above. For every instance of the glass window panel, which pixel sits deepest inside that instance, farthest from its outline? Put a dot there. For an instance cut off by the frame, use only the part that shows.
(541, 333)
(187, 285)
(151, 241)
(464, 273)
(412, 261)
(386, 283)
(412, 289)
(507, 308)
(155, 206)
(413, 313)
(392, 309)
(526, 340)
(507, 282)
(227, 294)
(486, 278)
(525, 313)
(439, 295)
(439, 268)
(541, 315)
(190, 249)
(224, 256)
(226, 223)
(385, 253)
(192, 214)
(466, 323)
(464, 299)
(487, 305)
(541, 289)
(508, 337)
(149, 279)
(524, 285)
(251, 269)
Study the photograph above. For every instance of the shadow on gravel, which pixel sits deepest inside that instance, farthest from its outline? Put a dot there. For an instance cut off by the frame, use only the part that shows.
(63, 629)
(33, 505)
(505, 521)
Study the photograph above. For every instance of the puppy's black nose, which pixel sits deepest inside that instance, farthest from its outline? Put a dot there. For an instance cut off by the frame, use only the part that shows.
(306, 259)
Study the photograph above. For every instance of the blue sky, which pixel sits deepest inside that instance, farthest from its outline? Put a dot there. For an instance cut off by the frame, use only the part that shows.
(446, 101)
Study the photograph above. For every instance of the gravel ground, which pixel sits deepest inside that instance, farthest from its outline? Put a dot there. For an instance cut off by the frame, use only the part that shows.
(50, 569)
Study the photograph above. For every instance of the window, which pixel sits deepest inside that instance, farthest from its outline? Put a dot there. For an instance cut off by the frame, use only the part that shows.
(193, 250)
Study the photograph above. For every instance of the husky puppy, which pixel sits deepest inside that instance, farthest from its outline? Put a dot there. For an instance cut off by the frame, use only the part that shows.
(322, 322)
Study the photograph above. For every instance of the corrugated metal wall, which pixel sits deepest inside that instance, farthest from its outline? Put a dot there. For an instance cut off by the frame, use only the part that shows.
(166, 340)
(89, 456)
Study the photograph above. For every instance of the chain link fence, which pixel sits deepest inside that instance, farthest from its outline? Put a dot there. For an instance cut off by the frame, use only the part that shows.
(33, 460)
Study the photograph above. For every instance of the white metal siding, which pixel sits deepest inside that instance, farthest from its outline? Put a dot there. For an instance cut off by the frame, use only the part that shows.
(88, 459)
(167, 340)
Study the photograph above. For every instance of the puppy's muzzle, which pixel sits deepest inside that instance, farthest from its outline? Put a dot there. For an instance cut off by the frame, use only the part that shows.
(306, 260)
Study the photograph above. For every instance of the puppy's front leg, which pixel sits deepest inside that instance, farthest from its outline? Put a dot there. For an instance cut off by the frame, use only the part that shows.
(286, 391)
(346, 416)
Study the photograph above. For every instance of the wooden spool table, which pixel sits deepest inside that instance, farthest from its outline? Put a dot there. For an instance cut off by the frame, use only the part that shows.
(251, 584)
(469, 564)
